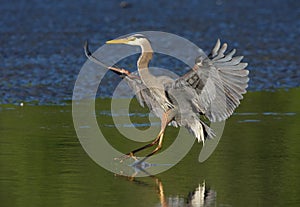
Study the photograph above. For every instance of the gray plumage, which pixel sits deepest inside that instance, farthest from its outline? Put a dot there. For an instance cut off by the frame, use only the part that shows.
(212, 88)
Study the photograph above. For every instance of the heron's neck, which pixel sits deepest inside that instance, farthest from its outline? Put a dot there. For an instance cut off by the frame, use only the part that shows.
(143, 62)
(144, 59)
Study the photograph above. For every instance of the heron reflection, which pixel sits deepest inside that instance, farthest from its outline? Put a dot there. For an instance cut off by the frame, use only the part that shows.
(200, 196)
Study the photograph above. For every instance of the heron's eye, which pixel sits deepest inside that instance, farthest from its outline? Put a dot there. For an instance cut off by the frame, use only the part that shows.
(132, 38)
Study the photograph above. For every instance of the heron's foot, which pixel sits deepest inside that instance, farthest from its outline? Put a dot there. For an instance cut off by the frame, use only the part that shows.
(126, 156)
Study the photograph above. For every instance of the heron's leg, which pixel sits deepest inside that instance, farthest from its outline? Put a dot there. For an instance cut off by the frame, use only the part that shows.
(164, 122)
(155, 150)
(144, 147)
(132, 153)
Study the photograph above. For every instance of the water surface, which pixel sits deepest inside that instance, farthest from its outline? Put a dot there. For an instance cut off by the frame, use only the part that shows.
(255, 164)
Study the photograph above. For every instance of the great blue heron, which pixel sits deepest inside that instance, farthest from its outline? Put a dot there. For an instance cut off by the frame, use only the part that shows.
(213, 88)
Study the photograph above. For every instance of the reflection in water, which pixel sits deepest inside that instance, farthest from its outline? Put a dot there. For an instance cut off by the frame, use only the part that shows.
(201, 196)
(43, 164)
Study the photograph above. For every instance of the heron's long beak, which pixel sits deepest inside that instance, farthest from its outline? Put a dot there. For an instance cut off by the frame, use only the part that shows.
(118, 41)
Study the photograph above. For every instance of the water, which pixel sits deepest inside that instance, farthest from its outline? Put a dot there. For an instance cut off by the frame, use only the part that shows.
(255, 164)
(42, 162)
(41, 49)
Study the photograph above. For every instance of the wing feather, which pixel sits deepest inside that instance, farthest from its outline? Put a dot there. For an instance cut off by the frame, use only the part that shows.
(220, 80)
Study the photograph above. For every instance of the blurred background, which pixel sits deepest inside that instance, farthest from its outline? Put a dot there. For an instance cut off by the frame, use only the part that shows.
(41, 41)
(41, 160)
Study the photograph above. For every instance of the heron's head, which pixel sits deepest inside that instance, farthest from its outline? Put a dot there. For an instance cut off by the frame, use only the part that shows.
(136, 39)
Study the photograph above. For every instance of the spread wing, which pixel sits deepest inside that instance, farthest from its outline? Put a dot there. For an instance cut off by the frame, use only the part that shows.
(219, 82)
(143, 94)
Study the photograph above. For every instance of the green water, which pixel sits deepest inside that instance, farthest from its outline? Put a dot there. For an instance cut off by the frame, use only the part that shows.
(255, 164)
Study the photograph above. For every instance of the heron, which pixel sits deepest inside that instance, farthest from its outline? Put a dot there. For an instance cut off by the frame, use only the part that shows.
(212, 89)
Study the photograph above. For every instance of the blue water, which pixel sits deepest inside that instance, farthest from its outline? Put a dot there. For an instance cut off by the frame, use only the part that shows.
(41, 41)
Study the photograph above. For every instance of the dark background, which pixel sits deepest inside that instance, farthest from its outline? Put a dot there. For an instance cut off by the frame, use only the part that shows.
(41, 41)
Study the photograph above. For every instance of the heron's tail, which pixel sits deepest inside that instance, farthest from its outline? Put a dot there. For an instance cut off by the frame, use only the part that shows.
(197, 127)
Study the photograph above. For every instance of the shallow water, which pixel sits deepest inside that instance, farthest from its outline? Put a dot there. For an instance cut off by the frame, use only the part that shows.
(256, 162)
